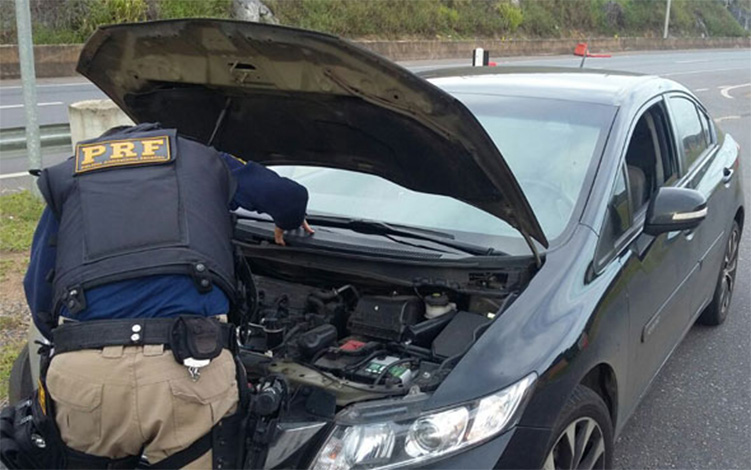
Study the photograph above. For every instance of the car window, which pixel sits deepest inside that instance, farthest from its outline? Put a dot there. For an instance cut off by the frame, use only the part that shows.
(706, 124)
(617, 219)
(650, 162)
(689, 129)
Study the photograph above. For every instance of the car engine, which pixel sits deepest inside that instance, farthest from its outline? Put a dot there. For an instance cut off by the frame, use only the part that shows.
(361, 345)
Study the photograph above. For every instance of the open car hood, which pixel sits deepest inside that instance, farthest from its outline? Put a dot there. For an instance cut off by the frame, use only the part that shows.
(280, 95)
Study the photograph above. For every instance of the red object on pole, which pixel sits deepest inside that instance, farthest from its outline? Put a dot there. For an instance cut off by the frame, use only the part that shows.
(582, 50)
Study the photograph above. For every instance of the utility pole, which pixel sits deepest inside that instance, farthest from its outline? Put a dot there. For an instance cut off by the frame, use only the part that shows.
(667, 21)
(28, 81)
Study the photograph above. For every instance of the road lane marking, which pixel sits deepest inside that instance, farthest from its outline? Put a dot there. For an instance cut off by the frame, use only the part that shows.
(701, 71)
(691, 61)
(726, 118)
(701, 89)
(725, 90)
(51, 85)
(16, 106)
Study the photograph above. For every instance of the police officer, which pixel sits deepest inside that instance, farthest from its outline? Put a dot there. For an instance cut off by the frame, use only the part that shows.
(136, 233)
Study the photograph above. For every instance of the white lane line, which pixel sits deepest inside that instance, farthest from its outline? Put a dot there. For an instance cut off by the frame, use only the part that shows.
(725, 90)
(51, 85)
(727, 118)
(702, 71)
(691, 61)
(14, 175)
(701, 89)
(15, 106)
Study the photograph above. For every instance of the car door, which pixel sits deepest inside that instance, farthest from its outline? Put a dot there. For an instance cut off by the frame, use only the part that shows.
(704, 169)
(660, 272)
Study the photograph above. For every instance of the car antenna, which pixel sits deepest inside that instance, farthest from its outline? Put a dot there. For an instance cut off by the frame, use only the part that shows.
(219, 121)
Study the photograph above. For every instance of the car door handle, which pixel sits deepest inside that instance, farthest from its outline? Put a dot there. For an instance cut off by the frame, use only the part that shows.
(727, 174)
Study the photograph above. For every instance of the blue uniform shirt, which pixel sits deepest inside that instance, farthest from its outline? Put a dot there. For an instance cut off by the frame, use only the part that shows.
(258, 189)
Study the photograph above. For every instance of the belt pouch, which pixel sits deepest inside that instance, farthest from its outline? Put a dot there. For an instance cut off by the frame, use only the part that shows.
(195, 337)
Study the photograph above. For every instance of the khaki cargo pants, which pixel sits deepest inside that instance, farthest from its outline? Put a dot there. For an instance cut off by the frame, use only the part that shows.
(116, 401)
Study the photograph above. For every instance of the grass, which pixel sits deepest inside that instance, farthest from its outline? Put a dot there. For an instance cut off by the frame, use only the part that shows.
(12, 266)
(8, 353)
(19, 213)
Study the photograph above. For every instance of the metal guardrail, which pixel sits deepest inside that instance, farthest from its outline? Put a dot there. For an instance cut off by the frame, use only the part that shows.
(51, 135)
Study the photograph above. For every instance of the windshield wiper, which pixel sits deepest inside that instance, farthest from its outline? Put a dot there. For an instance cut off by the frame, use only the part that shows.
(374, 227)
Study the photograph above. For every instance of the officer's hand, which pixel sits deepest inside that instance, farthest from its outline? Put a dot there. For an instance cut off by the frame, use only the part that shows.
(279, 233)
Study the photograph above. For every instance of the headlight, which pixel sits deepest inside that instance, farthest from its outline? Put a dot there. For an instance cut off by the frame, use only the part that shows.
(406, 442)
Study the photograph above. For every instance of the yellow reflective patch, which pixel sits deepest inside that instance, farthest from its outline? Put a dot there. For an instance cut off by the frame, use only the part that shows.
(42, 397)
(99, 155)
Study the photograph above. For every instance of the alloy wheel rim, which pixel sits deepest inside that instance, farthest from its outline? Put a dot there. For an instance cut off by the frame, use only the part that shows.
(729, 267)
(580, 446)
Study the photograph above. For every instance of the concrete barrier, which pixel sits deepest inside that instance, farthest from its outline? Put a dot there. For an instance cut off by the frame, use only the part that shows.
(416, 50)
(49, 61)
(61, 60)
(89, 119)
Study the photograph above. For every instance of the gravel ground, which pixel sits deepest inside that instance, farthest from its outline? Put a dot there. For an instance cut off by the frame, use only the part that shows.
(14, 314)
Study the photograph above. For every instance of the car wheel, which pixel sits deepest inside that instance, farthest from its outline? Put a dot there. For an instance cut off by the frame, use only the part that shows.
(717, 310)
(583, 435)
(20, 385)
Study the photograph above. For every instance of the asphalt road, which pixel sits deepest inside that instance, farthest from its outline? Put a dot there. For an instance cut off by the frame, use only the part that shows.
(697, 413)
(53, 97)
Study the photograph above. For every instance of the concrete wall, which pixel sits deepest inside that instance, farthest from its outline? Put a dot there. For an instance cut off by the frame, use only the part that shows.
(415, 50)
(60, 60)
(50, 61)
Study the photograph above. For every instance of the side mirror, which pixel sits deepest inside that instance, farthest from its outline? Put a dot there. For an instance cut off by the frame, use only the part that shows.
(675, 209)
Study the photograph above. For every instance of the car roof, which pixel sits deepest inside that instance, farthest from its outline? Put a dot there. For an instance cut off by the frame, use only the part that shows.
(576, 84)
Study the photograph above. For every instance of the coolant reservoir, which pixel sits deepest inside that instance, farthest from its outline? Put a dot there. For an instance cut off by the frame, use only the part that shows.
(437, 304)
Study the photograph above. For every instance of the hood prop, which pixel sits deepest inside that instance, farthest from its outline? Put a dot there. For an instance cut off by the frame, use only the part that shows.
(219, 121)
(531, 244)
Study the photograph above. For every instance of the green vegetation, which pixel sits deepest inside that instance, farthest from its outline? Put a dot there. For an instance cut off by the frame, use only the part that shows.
(167, 9)
(400, 18)
(8, 353)
(19, 213)
(72, 21)
(12, 266)
(504, 18)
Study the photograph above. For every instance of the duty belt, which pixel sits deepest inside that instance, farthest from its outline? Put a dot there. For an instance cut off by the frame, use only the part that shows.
(98, 334)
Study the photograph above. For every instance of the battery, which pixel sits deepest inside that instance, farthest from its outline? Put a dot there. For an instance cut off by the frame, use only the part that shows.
(376, 366)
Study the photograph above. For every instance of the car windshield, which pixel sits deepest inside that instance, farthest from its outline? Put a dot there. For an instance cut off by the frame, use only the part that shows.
(549, 145)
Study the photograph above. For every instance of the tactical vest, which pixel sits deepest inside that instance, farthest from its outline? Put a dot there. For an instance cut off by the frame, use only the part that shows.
(138, 202)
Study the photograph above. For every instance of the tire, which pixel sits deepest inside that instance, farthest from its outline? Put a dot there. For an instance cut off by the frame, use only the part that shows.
(582, 437)
(717, 310)
(20, 384)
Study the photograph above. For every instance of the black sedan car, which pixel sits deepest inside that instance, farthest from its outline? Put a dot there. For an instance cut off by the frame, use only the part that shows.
(504, 257)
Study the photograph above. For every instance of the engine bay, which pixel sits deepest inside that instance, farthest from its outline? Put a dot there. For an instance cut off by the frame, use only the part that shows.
(359, 342)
